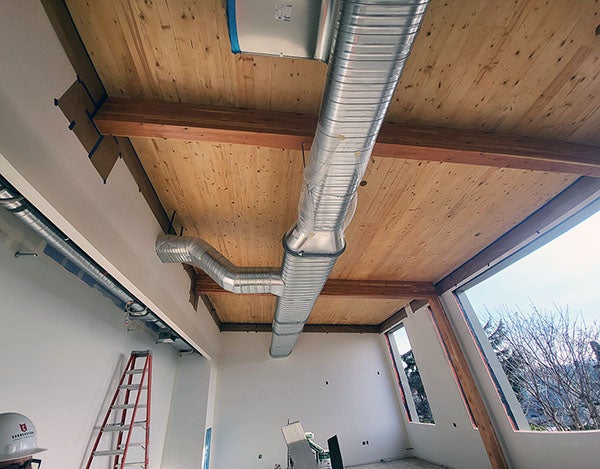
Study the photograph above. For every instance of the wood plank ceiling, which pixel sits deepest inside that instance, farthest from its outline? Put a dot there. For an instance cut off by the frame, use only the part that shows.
(526, 68)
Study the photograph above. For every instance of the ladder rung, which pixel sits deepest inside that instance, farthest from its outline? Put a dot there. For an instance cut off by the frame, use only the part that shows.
(140, 444)
(120, 451)
(110, 452)
(127, 406)
(115, 427)
(126, 428)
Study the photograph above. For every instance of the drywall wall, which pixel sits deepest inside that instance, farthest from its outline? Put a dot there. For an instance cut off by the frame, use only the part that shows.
(332, 383)
(63, 349)
(185, 432)
(452, 440)
(523, 449)
(42, 158)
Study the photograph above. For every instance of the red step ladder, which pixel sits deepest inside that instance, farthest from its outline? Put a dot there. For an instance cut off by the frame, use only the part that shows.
(131, 394)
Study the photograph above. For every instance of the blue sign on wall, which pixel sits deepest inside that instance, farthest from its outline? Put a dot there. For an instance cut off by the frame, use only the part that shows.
(206, 455)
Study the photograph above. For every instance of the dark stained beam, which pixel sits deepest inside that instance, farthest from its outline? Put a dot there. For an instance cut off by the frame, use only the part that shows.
(377, 289)
(467, 385)
(400, 315)
(311, 328)
(393, 320)
(566, 204)
(373, 289)
(274, 129)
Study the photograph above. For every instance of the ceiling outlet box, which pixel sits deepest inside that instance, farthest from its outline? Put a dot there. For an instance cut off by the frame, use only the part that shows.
(287, 28)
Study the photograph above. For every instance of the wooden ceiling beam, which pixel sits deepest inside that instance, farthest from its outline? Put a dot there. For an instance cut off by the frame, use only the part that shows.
(372, 289)
(275, 129)
(467, 384)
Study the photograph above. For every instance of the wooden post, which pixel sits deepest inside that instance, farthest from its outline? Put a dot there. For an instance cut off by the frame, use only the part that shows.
(467, 385)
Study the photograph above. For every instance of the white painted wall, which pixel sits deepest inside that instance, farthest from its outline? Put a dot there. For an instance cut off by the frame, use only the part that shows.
(457, 446)
(63, 346)
(256, 395)
(524, 449)
(48, 165)
(185, 433)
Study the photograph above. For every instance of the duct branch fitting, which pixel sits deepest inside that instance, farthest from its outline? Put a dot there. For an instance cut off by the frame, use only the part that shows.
(197, 252)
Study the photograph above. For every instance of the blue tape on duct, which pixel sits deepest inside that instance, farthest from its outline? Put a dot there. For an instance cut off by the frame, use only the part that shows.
(85, 278)
(233, 35)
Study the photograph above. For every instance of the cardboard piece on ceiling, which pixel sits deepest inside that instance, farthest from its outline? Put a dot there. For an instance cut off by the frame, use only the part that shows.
(78, 107)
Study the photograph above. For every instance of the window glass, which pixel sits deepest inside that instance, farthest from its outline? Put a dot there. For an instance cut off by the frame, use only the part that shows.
(405, 363)
(539, 318)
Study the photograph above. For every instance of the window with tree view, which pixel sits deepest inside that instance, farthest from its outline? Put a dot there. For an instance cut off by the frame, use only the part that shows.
(410, 380)
(537, 321)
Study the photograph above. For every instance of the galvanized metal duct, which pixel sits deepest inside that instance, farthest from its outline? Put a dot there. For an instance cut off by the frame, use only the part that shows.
(371, 45)
(372, 42)
(15, 204)
(230, 277)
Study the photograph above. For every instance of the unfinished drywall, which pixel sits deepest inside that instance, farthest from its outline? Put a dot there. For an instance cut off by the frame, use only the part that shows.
(42, 158)
(523, 449)
(452, 440)
(63, 346)
(332, 383)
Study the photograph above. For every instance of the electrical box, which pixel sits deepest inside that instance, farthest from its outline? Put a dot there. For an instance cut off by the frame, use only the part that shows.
(285, 28)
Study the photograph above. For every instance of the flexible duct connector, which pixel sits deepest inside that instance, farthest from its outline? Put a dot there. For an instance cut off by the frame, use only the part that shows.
(372, 42)
(230, 277)
(15, 204)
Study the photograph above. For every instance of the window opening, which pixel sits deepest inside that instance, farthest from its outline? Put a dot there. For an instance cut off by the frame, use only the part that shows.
(537, 323)
(411, 383)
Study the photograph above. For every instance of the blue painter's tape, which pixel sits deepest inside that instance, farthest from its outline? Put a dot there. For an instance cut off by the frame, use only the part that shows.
(95, 147)
(231, 20)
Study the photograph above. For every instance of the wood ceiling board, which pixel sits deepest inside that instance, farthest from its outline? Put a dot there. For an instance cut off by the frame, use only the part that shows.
(404, 205)
(244, 308)
(293, 131)
(524, 67)
(528, 67)
(330, 310)
(412, 223)
(418, 220)
(568, 208)
(240, 199)
(327, 310)
(310, 328)
(179, 51)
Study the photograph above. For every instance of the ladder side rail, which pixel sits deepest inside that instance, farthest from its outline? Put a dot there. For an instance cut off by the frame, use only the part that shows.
(135, 408)
(112, 402)
(148, 402)
(132, 363)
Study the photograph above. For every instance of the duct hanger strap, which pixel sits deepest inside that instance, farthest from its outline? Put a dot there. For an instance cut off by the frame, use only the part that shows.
(197, 252)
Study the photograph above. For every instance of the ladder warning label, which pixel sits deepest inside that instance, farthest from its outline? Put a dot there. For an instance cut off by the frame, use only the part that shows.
(283, 11)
